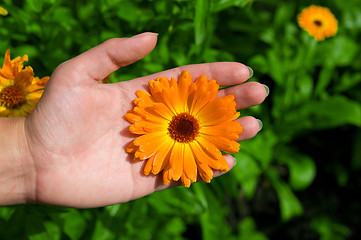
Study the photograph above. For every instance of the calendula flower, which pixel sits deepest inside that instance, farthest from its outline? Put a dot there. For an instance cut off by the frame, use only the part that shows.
(3, 11)
(318, 21)
(20, 91)
(183, 127)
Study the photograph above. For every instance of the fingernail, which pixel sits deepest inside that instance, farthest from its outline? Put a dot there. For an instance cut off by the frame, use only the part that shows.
(145, 33)
(260, 124)
(235, 160)
(267, 89)
(250, 72)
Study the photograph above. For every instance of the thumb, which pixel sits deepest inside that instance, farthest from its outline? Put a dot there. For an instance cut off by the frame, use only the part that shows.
(100, 61)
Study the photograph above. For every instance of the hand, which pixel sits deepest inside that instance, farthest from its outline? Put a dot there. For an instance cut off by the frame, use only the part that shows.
(77, 133)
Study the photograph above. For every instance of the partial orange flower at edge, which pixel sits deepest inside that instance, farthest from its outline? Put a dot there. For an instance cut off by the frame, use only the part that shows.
(318, 21)
(20, 91)
(183, 128)
(3, 11)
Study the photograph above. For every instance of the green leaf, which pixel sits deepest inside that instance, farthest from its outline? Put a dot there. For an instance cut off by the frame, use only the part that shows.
(331, 112)
(248, 230)
(201, 23)
(74, 224)
(101, 231)
(302, 168)
(52, 232)
(302, 172)
(6, 212)
(283, 14)
(224, 4)
(338, 51)
(213, 222)
(324, 79)
(265, 141)
(289, 204)
(347, 81)
(259, 64)
(35, 5)
(328, 229)
(247, 172)
(128, 11)
(305, 87)
(278, 68)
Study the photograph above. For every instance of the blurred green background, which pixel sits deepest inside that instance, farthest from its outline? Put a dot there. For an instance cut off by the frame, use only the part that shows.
(298, 179)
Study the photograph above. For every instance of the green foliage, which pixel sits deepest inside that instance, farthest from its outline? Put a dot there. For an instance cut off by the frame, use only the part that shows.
(315, 89)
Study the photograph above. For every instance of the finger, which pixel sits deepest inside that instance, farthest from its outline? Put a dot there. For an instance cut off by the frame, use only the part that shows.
(100, 61)
(251, 126)
(225, 73)
(246, 95)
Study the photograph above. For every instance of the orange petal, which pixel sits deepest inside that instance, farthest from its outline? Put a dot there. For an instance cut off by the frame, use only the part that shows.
(186, 181)
(173, 82)
(148, 165)
(156, 89)
(211, 155)
(132, 118)
(149, 149)
(184, 86)
(205, 176)
(143, 127)
(132, 148)
(223, 143)
(190, 166)
(164, 81)
(220, 110)
(229, 129)
(162, 157)
(137, 128)
(209, 148)
(202, 161)
(139, 111)
(213, 88)
(166, 180)
(144, 99)
(160, 110)
(148, 138)
(197, 100)
(176, 160)
(145, 95)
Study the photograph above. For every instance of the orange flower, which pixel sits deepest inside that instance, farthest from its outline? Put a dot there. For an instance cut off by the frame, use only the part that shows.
(319, 22)
(183, 127)
(3, 11)
(20, 91)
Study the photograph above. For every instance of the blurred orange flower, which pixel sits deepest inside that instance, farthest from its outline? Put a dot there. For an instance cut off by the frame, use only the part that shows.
(20, 91)
(3, 11)
(318, 21)
(183, 128)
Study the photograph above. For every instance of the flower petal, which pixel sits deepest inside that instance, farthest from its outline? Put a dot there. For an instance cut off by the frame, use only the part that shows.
(223, 143)
(190, 166)
(229, 129)
(162, 157)
(220, 110)
(176, 161)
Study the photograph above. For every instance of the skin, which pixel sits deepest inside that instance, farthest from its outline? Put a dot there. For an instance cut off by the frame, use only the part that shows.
(71, 150)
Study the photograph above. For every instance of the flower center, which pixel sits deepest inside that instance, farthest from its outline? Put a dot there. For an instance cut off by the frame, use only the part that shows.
(318, 23)
(11, 97)
(183, 128)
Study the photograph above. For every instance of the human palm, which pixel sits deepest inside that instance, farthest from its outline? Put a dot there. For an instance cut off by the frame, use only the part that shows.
(77, 134)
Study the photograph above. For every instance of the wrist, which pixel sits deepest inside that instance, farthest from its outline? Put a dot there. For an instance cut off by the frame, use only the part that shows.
(17, 172)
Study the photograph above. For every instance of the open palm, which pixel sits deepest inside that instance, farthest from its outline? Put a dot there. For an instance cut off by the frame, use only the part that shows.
(77, 133)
